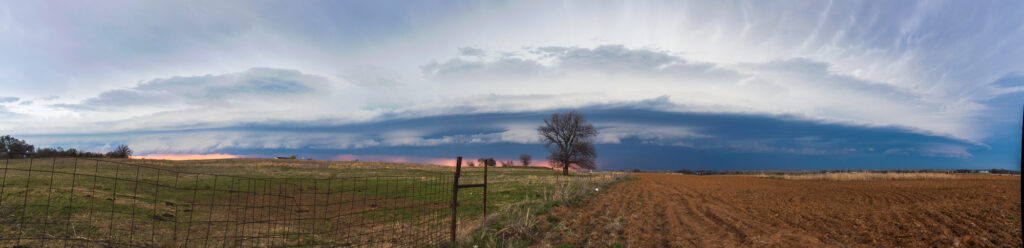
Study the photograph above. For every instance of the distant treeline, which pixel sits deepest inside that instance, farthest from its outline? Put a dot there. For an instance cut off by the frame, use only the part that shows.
(60, 152)
(11, 147)
(800, 172)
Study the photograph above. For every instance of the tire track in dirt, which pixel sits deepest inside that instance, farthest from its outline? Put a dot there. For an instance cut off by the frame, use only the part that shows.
(666, 210)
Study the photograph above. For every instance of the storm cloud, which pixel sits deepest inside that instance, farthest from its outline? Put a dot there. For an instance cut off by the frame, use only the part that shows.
(770, 85)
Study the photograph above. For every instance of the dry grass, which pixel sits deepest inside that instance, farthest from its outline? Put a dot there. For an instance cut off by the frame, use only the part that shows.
(517, 224)
(521, 223)
(856, 176)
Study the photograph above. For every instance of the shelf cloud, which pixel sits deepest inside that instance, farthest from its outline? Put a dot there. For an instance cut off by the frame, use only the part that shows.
(925, 81)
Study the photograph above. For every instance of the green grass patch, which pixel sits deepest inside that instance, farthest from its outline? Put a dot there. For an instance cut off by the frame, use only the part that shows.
(261, 202)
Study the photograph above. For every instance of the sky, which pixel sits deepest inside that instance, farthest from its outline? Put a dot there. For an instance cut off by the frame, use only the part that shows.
(669, 84)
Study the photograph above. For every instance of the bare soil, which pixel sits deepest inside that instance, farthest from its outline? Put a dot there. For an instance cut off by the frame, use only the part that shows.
(669, 210)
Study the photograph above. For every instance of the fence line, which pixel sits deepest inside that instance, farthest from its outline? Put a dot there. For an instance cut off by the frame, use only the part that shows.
(78, 202)
(91, 202)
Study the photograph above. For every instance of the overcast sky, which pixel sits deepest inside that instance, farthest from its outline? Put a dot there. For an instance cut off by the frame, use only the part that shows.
(672, 84)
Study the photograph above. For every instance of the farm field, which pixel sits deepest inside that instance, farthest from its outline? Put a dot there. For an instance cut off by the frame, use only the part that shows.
(671, 210)
(259, 202)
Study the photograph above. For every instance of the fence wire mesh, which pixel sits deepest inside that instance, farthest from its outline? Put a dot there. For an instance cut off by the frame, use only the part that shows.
(76, 202)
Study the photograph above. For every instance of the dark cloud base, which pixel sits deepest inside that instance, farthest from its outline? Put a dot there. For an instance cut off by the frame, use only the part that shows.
(718, 141)
(635, 155)
(713, 141)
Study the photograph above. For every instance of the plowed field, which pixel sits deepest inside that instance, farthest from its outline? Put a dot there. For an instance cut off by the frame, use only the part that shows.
(667, 210)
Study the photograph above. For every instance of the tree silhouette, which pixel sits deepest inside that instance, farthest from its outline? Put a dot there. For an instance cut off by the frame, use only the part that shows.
(569, 138)
(487, 162)
(14, 148)
(121, 151)
(526, 158)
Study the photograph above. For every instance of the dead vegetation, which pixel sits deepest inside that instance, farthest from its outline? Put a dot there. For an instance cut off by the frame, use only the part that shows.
(521, 223)
(667, 210)
(524, 222)
(858, 176)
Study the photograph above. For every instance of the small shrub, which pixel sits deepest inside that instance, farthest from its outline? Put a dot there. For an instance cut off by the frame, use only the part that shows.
(552, 219)
(547, 207)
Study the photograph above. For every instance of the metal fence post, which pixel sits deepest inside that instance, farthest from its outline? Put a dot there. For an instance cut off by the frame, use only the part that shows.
(455, 195)
(483, 224)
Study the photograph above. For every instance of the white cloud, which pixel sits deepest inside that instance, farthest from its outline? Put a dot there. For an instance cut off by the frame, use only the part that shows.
(557, 77)
(924, 65)
(260, 84)
(472, 52)
(372, 77)
(797, 86)
(253, 96)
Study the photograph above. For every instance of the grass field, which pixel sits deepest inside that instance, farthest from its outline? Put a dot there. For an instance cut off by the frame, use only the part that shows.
(259, 202)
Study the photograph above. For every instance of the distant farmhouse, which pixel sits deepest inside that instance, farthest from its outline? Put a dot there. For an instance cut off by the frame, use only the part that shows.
(17, 155)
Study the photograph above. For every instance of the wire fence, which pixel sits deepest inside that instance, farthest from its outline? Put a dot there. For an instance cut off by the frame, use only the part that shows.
(80, 202)
(73, 202)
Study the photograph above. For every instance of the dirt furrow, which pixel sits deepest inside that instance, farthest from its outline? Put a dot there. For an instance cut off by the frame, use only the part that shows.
(666, 210)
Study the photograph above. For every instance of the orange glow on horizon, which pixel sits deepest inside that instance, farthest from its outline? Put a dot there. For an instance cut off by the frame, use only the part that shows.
(187, 156)
(424, 160)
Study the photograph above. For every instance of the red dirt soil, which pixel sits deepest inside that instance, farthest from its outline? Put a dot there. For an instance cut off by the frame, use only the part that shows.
(669, 210)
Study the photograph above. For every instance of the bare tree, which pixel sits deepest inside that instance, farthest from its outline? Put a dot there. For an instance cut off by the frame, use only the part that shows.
(121, 151)
(487, 162)
(569, 138)
(509, 163)
(526, 158)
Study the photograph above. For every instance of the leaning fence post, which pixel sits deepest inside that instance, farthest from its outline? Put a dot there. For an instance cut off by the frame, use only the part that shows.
(455, 195)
